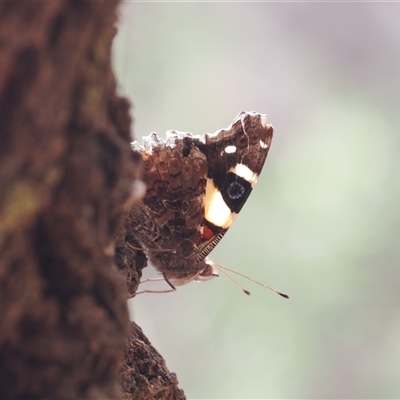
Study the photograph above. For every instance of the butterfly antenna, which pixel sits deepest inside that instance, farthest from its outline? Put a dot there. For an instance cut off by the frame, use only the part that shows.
(224, 269)
(233, 280)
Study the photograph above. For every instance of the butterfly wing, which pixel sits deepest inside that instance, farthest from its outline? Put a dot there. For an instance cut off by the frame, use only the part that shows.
(196, 185)
(174, 171)
(235, 158)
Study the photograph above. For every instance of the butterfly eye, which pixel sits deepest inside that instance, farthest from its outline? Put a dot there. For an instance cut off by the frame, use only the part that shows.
(208, 272)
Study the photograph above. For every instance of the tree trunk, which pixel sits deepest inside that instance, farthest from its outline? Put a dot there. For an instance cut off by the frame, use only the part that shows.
(66, 180)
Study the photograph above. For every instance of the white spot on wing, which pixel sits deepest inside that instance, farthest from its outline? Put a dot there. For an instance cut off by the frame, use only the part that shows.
(263, 145)
(216, 210)
(230, 149)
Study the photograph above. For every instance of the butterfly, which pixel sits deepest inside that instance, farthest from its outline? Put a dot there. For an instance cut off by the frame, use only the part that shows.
(196, 186)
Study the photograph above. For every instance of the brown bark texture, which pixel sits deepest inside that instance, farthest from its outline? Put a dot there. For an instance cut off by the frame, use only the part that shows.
(143, 373)
(66, 180)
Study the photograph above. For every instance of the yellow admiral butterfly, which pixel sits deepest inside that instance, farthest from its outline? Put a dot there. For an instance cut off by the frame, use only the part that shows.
(196, 185)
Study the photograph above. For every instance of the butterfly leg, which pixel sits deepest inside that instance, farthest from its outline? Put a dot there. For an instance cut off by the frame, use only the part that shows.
(173, 288)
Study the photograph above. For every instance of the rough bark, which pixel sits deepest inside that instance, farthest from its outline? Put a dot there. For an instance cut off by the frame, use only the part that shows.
(144, 374)
(66, 179)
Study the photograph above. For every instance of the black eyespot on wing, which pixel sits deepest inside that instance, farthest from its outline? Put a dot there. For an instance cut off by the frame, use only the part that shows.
(235, 192)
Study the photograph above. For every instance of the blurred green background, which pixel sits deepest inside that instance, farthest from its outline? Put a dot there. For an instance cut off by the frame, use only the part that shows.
(323, 223)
